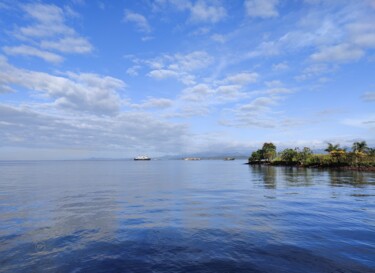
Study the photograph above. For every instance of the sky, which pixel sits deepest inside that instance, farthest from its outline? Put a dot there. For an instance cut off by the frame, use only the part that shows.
(115, 79)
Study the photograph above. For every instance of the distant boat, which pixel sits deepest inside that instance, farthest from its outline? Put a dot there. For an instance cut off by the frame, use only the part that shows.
(142, 157)
(229, 158)
(192, 158)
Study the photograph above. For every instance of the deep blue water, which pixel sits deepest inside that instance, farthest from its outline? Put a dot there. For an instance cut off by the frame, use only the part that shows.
(184, 216)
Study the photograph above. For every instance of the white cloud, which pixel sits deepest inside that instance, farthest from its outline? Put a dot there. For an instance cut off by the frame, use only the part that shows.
(133, 71)
(362, 33)
(260, 111)
(258, 104)
(32, 51)
(44, 13)
(333, 31)
(192, 61)
(273, 84)
(49, 22)
(316, 70)
(5, 88)
(261, 8)
(162, 74)
(48, 30)
(178, 66)
(228, 93)
(210, 95)
(218, 38)
(266, 48)
(276, 90)
(69, 45)
(199, 92)
(340, 53)
(367, 122)
(280, 66)
(203, 12)
(152, 103)
(139, 20)
(181, 76)
(80, 92)
(242, 78)
(200, 11)
(44, 31)
(369, 96)
(310, 33)
(228, 89)
(179, 62)
(125, 133)
(147, 38)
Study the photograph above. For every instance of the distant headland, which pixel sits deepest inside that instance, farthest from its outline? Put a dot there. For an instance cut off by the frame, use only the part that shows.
(360, 157)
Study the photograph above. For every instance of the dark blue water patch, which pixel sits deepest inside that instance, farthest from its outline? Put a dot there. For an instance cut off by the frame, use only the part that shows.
(6, 239)
(167, 250)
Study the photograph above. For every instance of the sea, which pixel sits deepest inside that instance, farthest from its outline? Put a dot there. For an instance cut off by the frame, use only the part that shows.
(184, 216)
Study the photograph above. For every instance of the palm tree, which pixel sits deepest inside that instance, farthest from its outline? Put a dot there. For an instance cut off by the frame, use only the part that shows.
(360, 147)
(332, 147)
(336, 152)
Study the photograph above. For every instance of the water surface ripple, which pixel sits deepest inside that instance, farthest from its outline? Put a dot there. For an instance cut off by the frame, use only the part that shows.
(184, 216)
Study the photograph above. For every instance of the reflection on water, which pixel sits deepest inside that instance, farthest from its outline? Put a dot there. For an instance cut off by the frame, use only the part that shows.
(353, 178)
(265, 175)
(181, 216)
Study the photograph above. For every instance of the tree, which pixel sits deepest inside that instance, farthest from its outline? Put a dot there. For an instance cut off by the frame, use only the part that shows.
(256, 156)
(360, 147)
(359, 150)
(332, 147)
(303, 155)
(336, 153)
(269, 151)
(289, 155)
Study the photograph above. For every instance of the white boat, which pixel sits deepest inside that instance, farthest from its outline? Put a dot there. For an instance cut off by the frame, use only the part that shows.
(142, 157)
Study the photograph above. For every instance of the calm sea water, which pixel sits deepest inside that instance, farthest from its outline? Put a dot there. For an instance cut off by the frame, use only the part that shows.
(184, 216)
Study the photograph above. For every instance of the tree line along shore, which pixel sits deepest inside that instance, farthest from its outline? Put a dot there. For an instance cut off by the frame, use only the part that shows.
(359, 157)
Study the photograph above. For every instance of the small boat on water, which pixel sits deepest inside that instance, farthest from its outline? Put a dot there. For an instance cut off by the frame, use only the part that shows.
(229, 158)
(192, 158)
(142, 157)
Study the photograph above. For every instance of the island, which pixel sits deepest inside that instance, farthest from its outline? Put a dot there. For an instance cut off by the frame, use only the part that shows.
(359, 157)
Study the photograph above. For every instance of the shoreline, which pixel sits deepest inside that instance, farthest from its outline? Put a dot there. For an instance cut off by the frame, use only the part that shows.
(339, 168)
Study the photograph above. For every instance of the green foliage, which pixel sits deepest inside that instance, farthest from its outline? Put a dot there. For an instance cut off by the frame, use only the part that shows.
(256, 156)
(338, 156)
(361, 156)
(332, 147)
(289, 156)
(303, 155)
(318, 160)
(360, 147)
(267, 153)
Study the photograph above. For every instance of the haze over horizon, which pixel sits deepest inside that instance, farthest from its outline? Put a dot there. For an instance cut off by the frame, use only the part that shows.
(82, 79)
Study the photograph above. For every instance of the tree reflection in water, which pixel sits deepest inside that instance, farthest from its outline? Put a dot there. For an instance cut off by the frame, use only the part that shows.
(266, 175)
(354, 178)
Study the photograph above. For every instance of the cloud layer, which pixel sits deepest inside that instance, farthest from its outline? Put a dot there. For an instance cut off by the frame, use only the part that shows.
(176, 77)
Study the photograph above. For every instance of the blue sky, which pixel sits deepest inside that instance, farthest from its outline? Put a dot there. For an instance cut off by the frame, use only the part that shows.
(120, 78)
